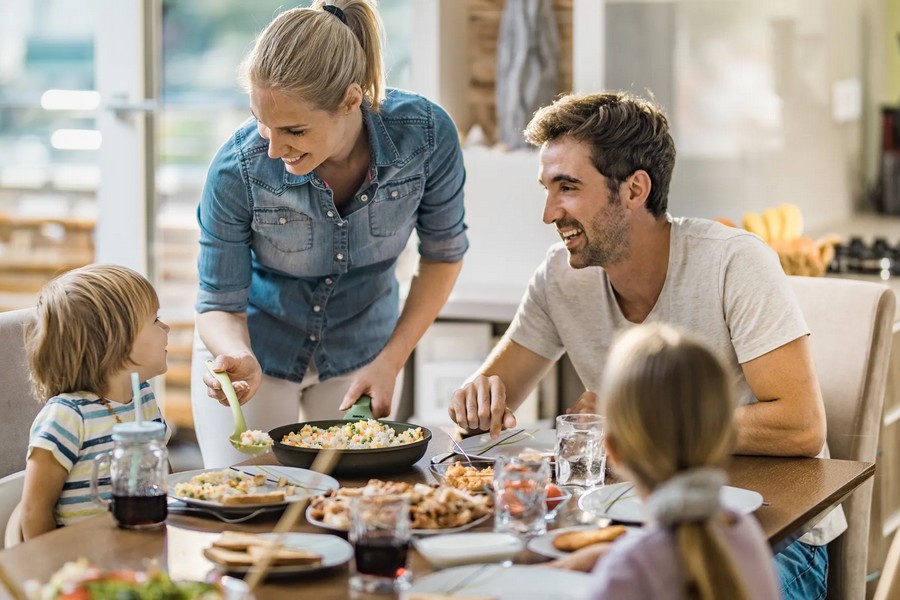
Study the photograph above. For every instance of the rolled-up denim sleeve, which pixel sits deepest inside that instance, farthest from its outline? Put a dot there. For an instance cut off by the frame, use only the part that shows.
(224, 216)
(441, 223)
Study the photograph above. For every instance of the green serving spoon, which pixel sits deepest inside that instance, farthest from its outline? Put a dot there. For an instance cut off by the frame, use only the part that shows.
(361, 409)
(240, 425)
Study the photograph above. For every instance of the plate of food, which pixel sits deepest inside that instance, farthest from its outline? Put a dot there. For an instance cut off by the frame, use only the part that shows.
(81, 579)
(365, 447)
(561, 542)
(247, 488)
(434, 509)
(236, 552)
(621, 502)
(498, 582)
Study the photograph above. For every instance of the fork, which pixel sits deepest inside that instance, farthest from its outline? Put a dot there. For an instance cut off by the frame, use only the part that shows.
(188, 510)
(462, 583)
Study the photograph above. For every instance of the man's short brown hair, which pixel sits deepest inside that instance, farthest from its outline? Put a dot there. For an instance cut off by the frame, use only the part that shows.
(625, 133)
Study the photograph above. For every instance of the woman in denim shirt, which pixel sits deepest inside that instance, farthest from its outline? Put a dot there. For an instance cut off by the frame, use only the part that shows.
(305, 211)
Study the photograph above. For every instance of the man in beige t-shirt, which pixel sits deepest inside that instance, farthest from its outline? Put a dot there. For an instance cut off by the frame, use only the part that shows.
(605, 162)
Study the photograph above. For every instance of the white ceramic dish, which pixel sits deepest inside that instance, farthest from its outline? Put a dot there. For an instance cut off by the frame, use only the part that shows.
(518, 582)
(541, 441)
(620, 502)
(452, 550)
(469, 525)
(333, 550)
(543, 544)
(308, 483)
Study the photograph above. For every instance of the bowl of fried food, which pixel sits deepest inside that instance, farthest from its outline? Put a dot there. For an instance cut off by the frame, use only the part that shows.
(475, 475)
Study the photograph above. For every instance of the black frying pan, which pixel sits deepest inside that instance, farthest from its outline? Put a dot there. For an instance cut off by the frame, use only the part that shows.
(359, 463)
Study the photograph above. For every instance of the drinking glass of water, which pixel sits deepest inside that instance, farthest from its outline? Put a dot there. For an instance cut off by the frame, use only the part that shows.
(580, 452)
(520, 486)
(379, 533)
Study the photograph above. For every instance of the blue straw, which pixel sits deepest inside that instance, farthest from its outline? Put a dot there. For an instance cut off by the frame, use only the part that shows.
(136, 458)
(136, 392)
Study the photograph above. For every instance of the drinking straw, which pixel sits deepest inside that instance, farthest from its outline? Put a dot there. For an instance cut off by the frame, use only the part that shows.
(138, 419)
(136, 392)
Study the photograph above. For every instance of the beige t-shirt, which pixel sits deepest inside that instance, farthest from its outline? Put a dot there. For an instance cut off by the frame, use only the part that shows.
(724, 285)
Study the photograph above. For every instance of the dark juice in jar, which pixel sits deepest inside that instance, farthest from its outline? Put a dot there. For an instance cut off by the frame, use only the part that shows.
(381, 556)
(139, 511)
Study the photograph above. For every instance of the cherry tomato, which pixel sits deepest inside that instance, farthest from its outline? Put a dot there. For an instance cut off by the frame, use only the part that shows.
(554, 496)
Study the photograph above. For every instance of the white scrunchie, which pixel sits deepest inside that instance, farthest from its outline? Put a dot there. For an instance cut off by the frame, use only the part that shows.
(688, 497)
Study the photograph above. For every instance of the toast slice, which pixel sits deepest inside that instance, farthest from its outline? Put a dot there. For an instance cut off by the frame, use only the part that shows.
(576, 540)
(237, 540)
(283, 556)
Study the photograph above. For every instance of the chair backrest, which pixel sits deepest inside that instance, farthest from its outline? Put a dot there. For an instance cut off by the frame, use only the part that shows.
(17, 405)
(850, 323)
(10, 494)
(889, 582)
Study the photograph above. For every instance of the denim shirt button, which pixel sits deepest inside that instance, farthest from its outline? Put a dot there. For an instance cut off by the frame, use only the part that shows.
(312, 338)
(339, 256)
(364, 197)
(394, 194)
(330, 213)
(317, 308)
(328, 281)
(282, 221)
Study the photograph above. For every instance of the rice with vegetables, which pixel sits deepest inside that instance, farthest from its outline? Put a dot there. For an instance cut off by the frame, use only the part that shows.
(358, 435)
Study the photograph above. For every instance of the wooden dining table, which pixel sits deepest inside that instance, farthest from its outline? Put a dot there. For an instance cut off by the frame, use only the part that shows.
(797, 493)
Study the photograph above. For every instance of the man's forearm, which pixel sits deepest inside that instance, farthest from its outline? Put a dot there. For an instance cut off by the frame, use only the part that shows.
(763, 429)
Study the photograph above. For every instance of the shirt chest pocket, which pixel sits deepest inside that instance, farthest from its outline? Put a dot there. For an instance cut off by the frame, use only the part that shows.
(395, 206)
(285, 229)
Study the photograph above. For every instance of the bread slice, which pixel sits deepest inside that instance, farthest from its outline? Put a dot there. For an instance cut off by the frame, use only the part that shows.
(237, 540)
(571, 541)
(243, 499)
(283, 556)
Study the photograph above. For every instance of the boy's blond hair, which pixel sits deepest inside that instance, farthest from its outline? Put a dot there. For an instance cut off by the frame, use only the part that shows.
(84, 328)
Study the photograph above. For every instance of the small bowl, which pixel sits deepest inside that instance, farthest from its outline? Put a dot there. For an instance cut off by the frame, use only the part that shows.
(455, 549)
(479, 482)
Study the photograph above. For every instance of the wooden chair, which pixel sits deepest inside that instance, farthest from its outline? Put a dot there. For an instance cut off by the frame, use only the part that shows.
(850, 324)
(889, 583)
(17, 405)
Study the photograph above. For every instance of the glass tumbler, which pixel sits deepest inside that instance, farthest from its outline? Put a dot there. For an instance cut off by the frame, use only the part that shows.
(580, 451)
(520, 487)
(379, 533)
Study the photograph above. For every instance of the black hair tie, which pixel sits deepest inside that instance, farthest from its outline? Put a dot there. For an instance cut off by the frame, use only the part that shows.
(336, 12)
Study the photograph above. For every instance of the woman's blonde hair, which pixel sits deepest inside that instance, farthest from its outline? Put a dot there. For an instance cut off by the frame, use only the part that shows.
(670, 408)
(84, 328)
(313, 55)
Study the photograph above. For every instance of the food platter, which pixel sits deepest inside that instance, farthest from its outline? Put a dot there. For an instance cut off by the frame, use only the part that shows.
(306, 483)
(361, 462)
(414, 531)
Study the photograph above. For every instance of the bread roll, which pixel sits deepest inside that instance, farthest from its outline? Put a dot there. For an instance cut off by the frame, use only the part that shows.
(575, 540)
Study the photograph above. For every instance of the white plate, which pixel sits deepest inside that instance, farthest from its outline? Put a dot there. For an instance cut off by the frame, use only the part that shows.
(530, 440)
(456, 549)
(543, 544)
(469, 525)
(333, 550)
(518, 582)
(620, 502)
(308, 483)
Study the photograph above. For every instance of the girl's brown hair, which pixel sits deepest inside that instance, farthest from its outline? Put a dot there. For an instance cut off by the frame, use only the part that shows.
(84, 328)
(670, 409)
(313, 55)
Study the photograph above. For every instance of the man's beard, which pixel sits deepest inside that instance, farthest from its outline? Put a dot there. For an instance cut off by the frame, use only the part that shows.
(607, 239)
